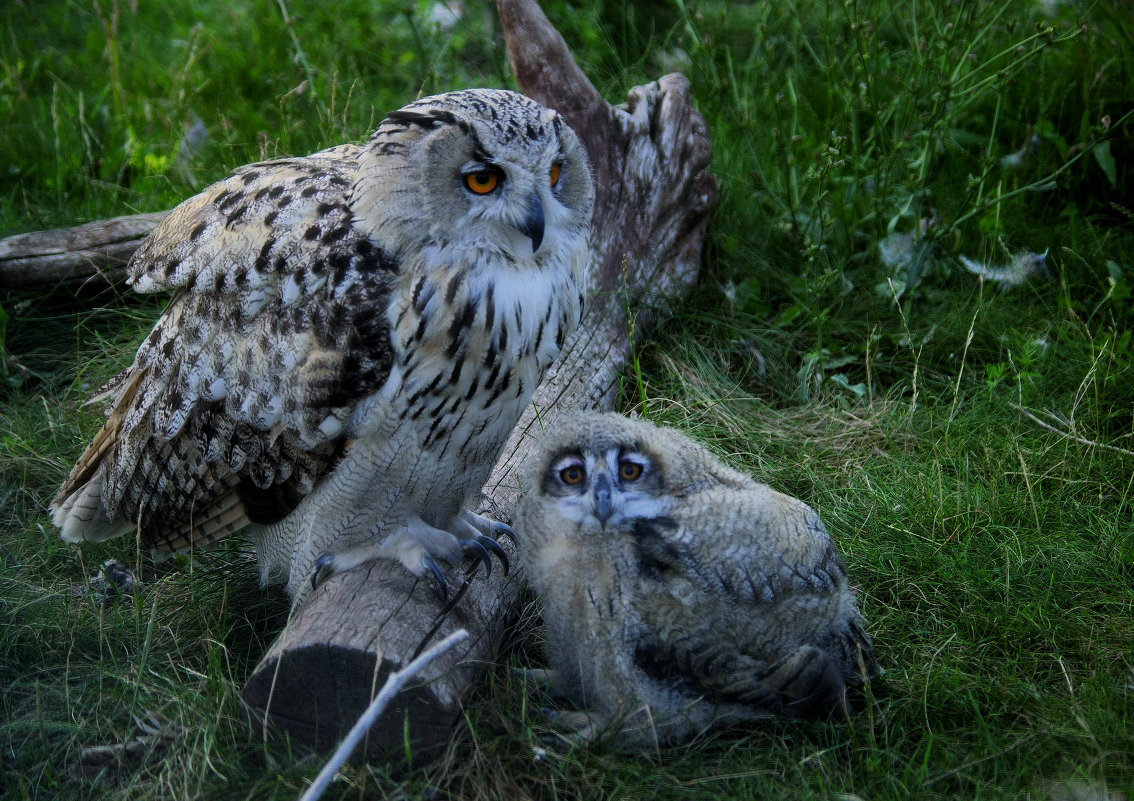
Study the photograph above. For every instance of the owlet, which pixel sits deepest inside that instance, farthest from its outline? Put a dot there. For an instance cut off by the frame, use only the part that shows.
(678, 593)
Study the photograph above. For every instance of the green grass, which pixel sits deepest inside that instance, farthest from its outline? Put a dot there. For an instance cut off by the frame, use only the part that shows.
(995, 555)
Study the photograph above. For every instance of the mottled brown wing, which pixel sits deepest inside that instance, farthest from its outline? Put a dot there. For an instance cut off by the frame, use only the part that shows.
(752, 545)
(743, 550)
(236, 402)
(806, 682)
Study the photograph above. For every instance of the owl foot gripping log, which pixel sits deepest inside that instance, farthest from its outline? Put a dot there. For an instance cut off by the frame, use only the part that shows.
(417, 544)
(354, 335)
(678, 593)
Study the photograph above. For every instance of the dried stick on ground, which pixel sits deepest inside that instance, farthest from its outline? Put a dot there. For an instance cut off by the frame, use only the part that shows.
(650, 158)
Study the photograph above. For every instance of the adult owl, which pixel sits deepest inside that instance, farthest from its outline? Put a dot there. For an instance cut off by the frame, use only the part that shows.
(354, 335)
(678, 593)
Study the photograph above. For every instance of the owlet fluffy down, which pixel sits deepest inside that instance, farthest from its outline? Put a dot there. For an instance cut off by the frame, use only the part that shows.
(677, 593)
(352, 338)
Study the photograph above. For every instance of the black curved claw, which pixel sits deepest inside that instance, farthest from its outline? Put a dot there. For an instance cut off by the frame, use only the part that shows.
(499, 528)
(320, 563)
(475, 545)
(494, 546)
(437, 575)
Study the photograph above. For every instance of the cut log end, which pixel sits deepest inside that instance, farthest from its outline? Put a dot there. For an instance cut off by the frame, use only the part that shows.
(310, 696)
(350, 634)
(85, 259)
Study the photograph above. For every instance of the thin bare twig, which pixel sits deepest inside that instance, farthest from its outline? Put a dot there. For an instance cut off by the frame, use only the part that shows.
(392, 687)
(1070, 436)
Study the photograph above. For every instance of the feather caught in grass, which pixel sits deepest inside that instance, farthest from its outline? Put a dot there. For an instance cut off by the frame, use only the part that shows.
(1023, 266)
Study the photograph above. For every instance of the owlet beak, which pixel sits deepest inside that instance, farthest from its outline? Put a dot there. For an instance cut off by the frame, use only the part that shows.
(601, 489)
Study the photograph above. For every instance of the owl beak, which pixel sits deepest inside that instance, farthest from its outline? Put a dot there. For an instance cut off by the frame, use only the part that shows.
(601, 489)
(532, 226)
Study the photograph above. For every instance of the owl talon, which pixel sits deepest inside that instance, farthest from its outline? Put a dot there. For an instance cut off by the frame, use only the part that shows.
(321, 563)
(429, 562)
(481, 534)
(499, 528)
(486, 525)
(494, 546)
(328, 564)
(481, 553)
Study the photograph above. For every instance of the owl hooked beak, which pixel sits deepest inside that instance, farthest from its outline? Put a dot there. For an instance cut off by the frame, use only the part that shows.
(532, 226)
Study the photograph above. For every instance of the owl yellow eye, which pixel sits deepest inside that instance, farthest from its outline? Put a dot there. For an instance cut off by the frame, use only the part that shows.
(572, 475)
(482, 182)
(553, 176)
(629, 471)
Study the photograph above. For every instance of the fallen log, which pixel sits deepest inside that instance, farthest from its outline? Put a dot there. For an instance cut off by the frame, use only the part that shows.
(650, 158)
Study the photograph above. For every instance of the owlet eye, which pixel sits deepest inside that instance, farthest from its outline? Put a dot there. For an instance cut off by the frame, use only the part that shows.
(572, 475)
(482, 182)
(553, 176)
(629, 471)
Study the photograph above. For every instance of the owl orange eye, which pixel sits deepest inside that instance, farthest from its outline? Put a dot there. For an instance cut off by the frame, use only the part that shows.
(572, 475)
(553, 176)
(482, 182)
(629, 471)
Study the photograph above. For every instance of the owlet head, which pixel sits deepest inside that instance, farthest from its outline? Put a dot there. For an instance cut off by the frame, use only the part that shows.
(597, 478)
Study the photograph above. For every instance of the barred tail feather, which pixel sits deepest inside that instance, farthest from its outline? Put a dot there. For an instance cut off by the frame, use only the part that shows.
(82, 516)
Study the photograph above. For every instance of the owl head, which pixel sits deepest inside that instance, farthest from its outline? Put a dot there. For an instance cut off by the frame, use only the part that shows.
(483, 166)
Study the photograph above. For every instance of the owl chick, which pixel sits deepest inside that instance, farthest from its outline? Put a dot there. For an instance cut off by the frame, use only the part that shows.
(678, 593)
(353, 337)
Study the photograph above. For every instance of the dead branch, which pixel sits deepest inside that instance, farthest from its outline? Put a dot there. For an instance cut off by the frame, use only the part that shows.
(85, 258)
